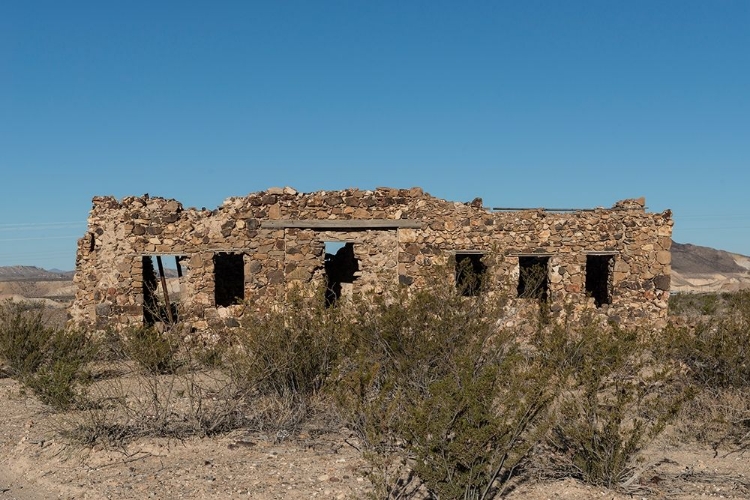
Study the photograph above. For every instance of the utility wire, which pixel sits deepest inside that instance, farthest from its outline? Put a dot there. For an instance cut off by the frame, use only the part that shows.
(31, 224)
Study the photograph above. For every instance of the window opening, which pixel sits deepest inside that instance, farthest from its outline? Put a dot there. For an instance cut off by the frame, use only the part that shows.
(470, 273)
(533, 281)
(229, 278)
(599, 273)
(341, 268)
(161, 288)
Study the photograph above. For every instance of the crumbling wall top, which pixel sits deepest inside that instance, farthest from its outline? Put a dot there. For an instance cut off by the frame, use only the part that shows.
(631, 204)
(288, 194)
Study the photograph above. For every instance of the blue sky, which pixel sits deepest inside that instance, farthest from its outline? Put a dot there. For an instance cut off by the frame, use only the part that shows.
(525, 103)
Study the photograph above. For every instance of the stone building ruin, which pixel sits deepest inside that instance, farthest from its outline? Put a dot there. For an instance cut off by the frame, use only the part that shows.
(146, 260)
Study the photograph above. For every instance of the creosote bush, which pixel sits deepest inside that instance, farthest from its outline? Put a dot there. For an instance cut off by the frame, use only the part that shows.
(431, 378)
(164, 389)
(290, 351)
(616, 397)
(717, 348)
(51, 362)
(153, 350)
(716, 351)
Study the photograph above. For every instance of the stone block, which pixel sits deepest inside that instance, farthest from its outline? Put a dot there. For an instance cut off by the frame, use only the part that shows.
(664, 257)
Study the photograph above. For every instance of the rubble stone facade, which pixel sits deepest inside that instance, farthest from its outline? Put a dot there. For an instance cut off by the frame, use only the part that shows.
(614, 262)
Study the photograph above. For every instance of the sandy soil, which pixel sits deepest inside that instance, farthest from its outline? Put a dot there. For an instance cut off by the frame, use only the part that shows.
(36, 463)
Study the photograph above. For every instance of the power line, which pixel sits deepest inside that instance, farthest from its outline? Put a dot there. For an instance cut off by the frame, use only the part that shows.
(711, 228)
(31, 224)
(42, 238)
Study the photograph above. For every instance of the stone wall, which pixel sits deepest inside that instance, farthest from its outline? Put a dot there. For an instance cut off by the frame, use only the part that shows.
(399, 237)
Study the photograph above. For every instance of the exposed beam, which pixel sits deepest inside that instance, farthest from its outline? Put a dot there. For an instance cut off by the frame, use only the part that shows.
(343, 224)
(164, 287)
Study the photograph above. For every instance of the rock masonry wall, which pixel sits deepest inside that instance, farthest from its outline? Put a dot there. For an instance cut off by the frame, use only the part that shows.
(400, 238)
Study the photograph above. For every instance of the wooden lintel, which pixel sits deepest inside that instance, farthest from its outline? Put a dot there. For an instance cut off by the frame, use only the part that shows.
(343, 224)
(530, 254)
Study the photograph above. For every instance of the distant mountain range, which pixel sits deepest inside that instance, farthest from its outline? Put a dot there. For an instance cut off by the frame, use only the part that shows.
(694, 269)
(33, 273)
(705, 269)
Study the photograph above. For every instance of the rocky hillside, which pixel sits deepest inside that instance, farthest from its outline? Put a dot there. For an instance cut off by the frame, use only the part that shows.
(54, 289)
(703, 269)
(32, 273)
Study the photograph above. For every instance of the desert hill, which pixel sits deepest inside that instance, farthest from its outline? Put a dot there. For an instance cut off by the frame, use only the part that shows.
(53, 288)
(33, 273)
(704, 269)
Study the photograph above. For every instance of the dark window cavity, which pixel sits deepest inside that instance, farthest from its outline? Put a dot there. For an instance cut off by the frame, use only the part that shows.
(599, 273)
(470, 273)
(533, 281)
(229, 279)
(341, 266)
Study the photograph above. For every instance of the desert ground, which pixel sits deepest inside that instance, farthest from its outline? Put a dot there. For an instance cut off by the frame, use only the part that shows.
(315, 461)
(37, 463)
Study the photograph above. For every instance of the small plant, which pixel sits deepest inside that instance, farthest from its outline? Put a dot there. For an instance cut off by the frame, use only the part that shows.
(716, 352)
(719, 418)
(430, 377)
(291, 351)
(50, 362)
(716, 349)
(618, 397)
(59, 380)
(155, 351)
(23, 338)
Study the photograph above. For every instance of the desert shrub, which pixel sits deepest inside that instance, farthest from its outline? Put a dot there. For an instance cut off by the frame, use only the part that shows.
(23, 338)
(190, 400)
(700, 304)
(51, 362)
(718, 417)
(686, 303)
(716, 349)
(209, 354)
(154, 351)
(716, 352)
(290, 351)
(430, 377)
(264, 376)
(59, 380)
(618, 397)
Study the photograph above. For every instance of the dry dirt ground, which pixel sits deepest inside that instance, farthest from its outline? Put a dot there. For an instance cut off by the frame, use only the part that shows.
(36, 463)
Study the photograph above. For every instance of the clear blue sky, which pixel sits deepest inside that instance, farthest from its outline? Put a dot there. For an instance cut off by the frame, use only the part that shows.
(524, 103)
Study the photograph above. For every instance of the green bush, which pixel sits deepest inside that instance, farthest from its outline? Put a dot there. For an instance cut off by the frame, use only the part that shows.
(290, 351)
(58, 382)
(617, 398)
(431, 377)
(716, 349)
(51, 362)
(23, 338)
(716, 352)
(154, 351)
